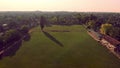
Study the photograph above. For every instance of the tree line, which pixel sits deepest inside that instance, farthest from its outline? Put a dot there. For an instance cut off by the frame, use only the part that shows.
(105, 23)
(14, 25)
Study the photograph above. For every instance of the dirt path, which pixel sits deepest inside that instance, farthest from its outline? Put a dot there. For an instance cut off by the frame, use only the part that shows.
(30, 31)
(110, 48)
(93, 36)
(104, 43)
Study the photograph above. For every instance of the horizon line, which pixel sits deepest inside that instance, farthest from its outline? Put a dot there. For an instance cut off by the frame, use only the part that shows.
(56, 11)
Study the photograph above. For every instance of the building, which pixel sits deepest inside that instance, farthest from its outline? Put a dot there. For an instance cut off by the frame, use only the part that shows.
(113, 42)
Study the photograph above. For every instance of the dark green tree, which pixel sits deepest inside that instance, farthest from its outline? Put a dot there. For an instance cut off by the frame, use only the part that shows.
(115, 33)
(24, 29)
(91, 24)
(1, 42)
(11, 36)
(42, 22)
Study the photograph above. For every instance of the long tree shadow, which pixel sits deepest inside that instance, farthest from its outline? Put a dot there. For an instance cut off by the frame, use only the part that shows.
(52, 38)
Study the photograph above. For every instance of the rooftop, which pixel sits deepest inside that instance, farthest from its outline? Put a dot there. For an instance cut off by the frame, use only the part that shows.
(111, 40)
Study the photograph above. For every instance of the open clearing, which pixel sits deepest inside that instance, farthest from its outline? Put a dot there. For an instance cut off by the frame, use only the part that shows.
(69, 47)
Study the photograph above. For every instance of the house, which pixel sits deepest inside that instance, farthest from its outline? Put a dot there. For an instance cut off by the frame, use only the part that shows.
(5, 27)
(113, 42)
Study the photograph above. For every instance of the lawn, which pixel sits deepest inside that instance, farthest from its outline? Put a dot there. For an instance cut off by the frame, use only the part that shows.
(61, 47)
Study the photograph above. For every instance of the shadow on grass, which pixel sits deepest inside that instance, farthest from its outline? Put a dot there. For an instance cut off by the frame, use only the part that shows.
(52, 38)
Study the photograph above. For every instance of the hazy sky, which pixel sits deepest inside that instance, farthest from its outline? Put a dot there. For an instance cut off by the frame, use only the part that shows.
(60, 5)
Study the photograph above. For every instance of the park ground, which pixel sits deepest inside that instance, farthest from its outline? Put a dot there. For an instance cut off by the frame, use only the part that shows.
(61, 47)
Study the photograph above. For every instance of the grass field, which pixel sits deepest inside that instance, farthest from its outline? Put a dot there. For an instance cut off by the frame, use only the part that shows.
(58, 48)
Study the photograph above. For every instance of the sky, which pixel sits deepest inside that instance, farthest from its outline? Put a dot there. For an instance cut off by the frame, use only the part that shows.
(61, 5)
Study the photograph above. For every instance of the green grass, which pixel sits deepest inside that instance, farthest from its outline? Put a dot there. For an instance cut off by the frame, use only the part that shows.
(79, 51)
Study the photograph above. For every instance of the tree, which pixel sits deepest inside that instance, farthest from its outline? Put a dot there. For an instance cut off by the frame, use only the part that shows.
(79, 18)
(12, 25)
(11, 36)
(53, 20)
(93, 17)
(24, 29)
(105, 28)
(42, 22)
(115, 33)
(91, 24)
(1, 42)
(25, 33)
(1, 28)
